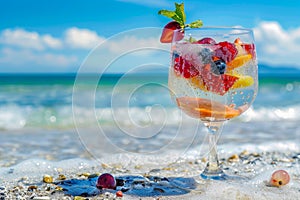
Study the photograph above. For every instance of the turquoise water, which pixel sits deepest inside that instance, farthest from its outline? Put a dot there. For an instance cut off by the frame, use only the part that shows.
(47, 100)
(59, 117)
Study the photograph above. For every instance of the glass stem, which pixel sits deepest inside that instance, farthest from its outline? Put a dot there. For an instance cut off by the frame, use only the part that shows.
(213, 170)
(213, 161)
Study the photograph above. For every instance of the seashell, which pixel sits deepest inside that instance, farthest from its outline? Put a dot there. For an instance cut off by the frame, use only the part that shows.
(48, 179)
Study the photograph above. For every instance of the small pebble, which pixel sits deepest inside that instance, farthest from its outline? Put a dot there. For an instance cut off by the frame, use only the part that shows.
(61, 177)
(48, 179)
(86, 174)
(32, 187)
(244, 153)
(41, 198)
(93, 175)
(79, 198)
(233, 158)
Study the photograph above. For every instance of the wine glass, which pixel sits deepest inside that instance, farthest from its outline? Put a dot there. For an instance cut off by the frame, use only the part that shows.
(213, 77)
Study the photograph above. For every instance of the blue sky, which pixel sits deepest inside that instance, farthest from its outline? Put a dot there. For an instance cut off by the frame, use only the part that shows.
(57, 36)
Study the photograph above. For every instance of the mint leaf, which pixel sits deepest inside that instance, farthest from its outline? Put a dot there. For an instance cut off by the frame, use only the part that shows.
(172, 15)
(167, 13)
(195, 24)
(178, 15)
(180, 12)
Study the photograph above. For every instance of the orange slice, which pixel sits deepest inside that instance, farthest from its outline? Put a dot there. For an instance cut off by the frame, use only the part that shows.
(239, 61)
(198, 83)
(242, 82)
(205, 108)
(208, 81)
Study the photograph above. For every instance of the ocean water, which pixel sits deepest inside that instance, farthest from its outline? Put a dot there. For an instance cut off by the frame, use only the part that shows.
(58, 116)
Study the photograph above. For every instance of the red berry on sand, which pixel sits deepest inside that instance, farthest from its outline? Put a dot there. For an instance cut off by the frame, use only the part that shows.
(106, 181)
(119, 194)
(168, 32)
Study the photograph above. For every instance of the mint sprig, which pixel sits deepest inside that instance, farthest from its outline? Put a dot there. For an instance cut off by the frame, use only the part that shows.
(179, 16)
(196, 24)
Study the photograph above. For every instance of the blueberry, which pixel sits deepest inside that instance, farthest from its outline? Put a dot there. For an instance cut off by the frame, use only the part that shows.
(218, 67)
(175, 55)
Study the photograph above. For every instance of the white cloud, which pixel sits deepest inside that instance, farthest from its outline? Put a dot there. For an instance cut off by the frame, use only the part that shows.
(52, 42)
(30, 40)
(277, 46)
(82, 38)
(132, 43)
(26, 57)
(74, 38)
(19, 47)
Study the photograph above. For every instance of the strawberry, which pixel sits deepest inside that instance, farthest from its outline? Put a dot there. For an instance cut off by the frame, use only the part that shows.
(226, 51)
(249, 48)
(206, 41)
(178, 24)
(219, 84)
(168, 32)
(184, 68)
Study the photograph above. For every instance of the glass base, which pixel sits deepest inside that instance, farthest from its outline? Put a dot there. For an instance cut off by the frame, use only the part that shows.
(213, 175)
(219, 175)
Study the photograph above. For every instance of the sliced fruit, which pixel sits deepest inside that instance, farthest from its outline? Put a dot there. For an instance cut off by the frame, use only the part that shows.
(239, 61)
(249, 48)
(198, 83)
(226, 51)
(184, 68)
(238, 41)
(206, 41)
(219, 84)
(168, 32)
(205, 108)
(242, 82)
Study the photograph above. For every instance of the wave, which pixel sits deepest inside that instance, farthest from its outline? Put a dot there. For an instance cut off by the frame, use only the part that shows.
(65, 116)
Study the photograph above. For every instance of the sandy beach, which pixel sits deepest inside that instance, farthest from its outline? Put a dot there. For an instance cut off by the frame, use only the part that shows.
(146, 177)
